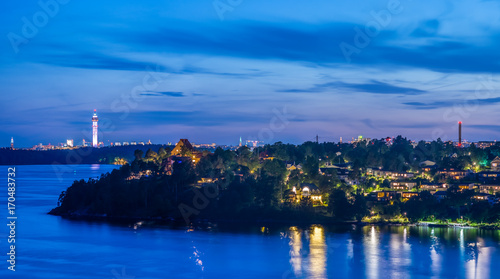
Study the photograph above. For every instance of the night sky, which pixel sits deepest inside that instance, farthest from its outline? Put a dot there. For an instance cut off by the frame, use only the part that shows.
(212, 71)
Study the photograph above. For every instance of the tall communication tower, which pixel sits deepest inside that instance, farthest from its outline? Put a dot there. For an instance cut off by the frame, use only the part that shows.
(94, 129)
(459, 133)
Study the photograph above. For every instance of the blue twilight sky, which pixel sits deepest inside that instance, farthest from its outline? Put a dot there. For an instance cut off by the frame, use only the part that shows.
(213, 71)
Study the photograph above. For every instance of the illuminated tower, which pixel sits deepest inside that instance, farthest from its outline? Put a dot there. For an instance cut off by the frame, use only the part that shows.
(94, 129)
(240, 141)
(12, 143)
(459, 133)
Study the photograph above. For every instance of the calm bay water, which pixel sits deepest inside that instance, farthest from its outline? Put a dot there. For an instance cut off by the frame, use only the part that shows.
(52, 247)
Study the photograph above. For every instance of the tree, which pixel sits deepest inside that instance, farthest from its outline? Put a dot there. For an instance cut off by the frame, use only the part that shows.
(162, 153)
(294, 178)
(359, 207)
(339, 206)
(151, 155)
(311, 167)
(275, 168)
(267, 190)
(138, 154)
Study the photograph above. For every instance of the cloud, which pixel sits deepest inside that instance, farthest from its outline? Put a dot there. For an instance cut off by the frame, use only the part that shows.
(313, 44)
(318, 44)
(373, 87)
(94, 60)
(163, 93)
(451, 103)
(426, 28)
(87, 59)
(485, 127)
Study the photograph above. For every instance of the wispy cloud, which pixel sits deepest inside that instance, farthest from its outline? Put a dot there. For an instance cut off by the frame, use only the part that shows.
(373, 87)
(451, 103)
(163, 93)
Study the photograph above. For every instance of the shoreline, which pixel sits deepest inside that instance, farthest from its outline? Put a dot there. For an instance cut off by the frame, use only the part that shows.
(256, 222)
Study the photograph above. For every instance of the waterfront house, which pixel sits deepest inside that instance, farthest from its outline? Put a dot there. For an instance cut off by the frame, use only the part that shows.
(312, 191)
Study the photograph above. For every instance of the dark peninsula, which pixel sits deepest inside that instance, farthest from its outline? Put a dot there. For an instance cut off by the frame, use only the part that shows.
(380, 180)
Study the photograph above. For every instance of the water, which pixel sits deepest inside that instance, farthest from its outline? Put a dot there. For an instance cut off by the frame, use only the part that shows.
(52, 247)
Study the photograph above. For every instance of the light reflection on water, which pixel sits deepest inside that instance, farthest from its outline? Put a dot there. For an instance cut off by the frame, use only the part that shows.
(51, 247)
(391, 252)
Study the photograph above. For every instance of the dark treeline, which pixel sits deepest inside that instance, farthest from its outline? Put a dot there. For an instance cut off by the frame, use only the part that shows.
(255, 184)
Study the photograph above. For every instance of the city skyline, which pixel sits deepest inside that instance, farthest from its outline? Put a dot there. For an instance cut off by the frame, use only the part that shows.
(258, 70)
(248, 142)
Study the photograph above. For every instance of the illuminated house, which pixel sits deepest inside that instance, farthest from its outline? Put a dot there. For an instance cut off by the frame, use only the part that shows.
(428, 166)
(495, 164)
(383, 196)
(452, 173)
(403, 185)
(408, 195)
(485, 197)
(433, 187)
(470, 186)
(489, 189)
(309, 190)
(182, 152)
(489, 176)
(390, 174)
(293, 166)
(184, 149)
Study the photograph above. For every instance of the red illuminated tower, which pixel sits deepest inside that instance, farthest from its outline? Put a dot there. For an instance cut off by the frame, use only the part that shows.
(459, 133)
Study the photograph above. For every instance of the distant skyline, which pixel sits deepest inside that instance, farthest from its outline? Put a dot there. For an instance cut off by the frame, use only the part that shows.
(271, 71)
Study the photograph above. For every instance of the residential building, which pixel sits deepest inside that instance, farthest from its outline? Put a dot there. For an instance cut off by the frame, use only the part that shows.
(485, 197)
(452, 173)
(383, 196)
(390, 174)
(495, 164)
(403, 185)
(405, 196)
(489, 188)
(488, 176)
(433, 187)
